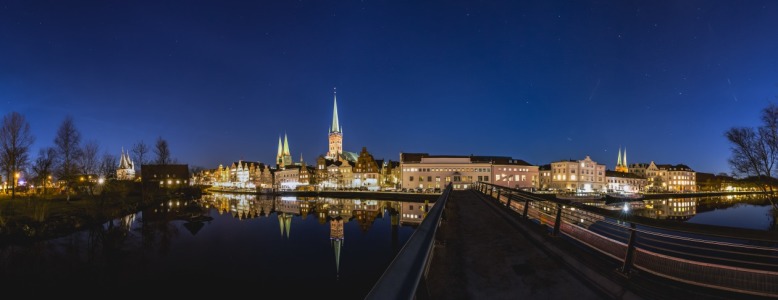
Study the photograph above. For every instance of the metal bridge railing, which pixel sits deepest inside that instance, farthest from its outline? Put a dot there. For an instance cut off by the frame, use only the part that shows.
(708, 258)
(411, 264)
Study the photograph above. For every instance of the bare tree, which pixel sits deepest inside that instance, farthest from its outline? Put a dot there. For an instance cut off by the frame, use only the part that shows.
(67, 144)
(15, 142)
(108, 165)
(755, 152)
(140, 150)
(43, 167)
(162, 151)
(88, 161)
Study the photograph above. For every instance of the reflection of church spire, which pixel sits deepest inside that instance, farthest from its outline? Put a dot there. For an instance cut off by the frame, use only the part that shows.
(336, 238)
(285, 223)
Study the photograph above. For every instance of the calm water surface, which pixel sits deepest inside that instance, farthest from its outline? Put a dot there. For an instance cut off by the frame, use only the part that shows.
(751, 211)
(301, 247)
(306, 247)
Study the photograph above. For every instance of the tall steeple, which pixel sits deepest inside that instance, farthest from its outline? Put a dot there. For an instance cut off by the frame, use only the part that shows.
(287, 154)
(280, 155)
(335, 132)
(621, 162)
(335, 127)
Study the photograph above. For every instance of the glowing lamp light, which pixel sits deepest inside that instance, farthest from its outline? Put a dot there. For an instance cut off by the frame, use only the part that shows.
(626, 207)
(100, 180)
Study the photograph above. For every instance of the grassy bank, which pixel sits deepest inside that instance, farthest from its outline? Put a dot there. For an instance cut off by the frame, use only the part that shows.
(31, 217)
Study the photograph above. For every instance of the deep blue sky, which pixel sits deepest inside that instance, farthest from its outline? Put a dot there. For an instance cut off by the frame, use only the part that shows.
(536, 80)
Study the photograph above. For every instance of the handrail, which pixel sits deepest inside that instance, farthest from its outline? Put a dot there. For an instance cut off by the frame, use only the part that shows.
(402, 277)
(705, 229)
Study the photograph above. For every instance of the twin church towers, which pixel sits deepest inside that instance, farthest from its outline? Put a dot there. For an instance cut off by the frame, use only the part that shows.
(284, 157)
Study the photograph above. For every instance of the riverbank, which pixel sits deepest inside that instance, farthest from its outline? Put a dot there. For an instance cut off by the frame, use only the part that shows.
(33, 217)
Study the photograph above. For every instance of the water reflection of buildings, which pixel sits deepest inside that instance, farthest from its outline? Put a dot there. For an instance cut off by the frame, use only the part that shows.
(366, 211)
(287, 208)
(412, 213)
(336, 239)
(336, 212)
(670, 209)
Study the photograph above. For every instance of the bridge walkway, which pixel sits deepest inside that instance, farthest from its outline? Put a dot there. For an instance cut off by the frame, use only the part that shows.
(485, 251)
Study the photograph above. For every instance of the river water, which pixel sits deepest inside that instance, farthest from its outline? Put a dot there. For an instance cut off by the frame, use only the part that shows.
(235, 243)
(241, 243)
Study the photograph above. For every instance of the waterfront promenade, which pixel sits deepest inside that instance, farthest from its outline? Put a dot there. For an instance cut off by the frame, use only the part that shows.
(482, 255)
(484, 251)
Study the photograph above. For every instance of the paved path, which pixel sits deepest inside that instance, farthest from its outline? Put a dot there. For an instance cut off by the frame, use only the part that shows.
(483, 254)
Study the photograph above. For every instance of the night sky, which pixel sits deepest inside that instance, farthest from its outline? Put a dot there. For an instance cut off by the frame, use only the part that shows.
(535, 80)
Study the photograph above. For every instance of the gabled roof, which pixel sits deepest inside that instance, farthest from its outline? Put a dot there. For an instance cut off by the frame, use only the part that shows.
(609, 173)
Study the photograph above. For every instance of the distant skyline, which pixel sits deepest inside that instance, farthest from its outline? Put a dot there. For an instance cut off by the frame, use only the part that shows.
(534, 80)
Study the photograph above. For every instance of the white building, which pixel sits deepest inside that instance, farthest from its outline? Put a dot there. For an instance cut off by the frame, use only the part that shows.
(126, 169)
(624, 182)
(583, 175)
(424, 172)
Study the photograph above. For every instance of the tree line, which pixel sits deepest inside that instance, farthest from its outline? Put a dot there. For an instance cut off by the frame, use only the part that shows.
(67, 159)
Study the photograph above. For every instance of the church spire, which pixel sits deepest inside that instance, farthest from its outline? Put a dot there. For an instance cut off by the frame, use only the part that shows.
(335, 124)
(621, 162)
(286, 145)
(280, 149)
(336, 134)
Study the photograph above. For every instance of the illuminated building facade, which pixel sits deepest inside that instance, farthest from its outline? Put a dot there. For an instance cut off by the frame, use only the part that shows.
(126, 168)
(624, 182)
(583, 175)
(667, 178)
(423, 172)
(514, 173)
(366, 172)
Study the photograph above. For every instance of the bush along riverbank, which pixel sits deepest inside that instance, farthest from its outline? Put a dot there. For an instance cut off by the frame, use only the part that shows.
(34, 217)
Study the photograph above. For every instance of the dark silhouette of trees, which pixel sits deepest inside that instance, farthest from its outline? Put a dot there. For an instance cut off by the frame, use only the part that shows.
(89, 161)
(162, 151)
(755, 151)
(15, 142)
(43, 167)
(108, 165)
(67, 144)
(140, 150)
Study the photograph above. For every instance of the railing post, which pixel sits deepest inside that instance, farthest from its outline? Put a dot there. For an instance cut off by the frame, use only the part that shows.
(558, 220)
(627, 267)
(508, 202)
(498, 195)
(526, 208)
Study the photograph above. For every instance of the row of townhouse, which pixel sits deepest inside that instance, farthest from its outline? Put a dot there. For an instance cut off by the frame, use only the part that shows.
(422, 172)
(349, 170)
(589, 176)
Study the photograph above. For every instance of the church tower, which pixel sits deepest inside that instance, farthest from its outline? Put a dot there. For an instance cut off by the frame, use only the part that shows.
(621, 162)
(126, 168)
(336, 132)
(284, 157)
